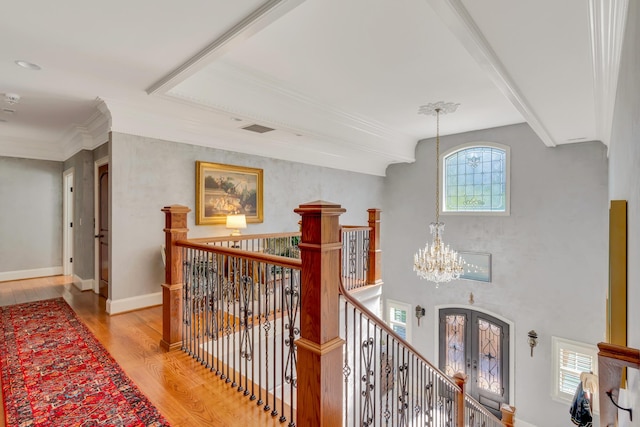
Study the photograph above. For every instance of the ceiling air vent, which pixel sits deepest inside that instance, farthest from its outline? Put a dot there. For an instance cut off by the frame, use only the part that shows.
(258, 128)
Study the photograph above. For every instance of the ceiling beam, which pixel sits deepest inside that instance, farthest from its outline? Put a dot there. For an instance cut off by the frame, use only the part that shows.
(267, 13)
(462, 25)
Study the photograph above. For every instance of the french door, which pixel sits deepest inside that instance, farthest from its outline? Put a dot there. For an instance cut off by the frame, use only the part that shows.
(476, 344)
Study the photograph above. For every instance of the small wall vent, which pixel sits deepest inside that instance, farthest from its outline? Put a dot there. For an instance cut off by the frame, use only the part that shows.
(258, 128)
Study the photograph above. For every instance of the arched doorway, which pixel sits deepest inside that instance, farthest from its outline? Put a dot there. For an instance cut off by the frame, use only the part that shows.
(476, 344)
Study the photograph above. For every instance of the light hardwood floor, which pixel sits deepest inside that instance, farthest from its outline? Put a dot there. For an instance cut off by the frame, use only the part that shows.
(184, 392)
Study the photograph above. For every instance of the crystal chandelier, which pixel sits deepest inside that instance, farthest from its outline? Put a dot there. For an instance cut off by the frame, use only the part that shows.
(437, 262)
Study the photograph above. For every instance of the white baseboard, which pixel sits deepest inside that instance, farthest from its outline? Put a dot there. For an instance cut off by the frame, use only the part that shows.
(30, 274)
(82, 284)
(133, 303)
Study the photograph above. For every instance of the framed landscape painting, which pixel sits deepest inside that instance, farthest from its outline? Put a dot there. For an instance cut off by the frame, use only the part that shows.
(222, 190)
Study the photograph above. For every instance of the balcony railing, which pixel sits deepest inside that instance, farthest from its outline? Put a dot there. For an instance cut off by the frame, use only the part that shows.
(273, 328)
(387, 382)
(240, 319)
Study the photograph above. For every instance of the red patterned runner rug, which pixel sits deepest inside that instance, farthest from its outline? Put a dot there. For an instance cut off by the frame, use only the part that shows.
(56, 373)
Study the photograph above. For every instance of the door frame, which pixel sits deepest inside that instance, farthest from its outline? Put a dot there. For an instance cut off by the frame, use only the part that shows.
(512, 341)
(67, 220)
(96, 223)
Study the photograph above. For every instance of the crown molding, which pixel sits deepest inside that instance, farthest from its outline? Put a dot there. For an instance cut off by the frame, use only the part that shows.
(462, 25)
(89, 135)
(75, 140)
(607, 22)
(261, 17)
(193, 128)
(30, 149)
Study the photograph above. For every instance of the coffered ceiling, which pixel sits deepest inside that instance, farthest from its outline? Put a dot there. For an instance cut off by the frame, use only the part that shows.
(339, 82)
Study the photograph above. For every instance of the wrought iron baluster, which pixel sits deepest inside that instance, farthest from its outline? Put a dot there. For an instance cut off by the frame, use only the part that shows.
(292, 310)
(352, 247)
(185, 300)
(403, 369)
(267, 328)
(237, 279)
(246, 331)
(385, 389)
(368, 380)
(279, 285)
(346, 369)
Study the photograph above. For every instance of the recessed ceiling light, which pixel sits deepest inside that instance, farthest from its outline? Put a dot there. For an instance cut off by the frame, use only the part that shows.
(28, 65)
(8, 110)
(236, 119)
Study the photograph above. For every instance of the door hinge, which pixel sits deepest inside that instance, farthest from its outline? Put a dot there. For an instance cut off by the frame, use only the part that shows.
(71, 224)
(71, 189)
(71, 259)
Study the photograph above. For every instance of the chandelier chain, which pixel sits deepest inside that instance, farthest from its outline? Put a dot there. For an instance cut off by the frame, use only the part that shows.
(437, 165)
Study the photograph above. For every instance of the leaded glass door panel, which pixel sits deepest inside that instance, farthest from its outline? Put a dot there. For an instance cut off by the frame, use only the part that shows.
(477, 345)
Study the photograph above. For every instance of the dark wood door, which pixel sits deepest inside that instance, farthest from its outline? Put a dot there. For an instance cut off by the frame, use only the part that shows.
(103, 229)
(477, 344)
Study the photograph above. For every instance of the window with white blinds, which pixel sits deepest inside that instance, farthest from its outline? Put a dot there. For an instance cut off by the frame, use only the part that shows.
(398, 318)
(570, 359)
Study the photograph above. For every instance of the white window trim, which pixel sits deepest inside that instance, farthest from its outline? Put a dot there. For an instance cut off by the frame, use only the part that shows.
(401, 306)
(507, 189)
(557, 344)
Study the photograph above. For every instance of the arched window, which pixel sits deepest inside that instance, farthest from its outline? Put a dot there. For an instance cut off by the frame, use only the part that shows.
(476, 179)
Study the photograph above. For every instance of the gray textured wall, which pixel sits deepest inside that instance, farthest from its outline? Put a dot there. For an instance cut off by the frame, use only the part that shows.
(101, 151)
(549, 255)
(30, 214)
(148, 174)
(624, 184)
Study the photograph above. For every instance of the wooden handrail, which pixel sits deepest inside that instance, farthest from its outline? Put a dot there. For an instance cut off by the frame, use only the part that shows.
(240, 253)
(355, 227)
(612, 359)
(244, 237)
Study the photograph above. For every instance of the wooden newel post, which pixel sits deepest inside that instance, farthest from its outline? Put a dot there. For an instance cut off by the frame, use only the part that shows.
(175, 229)
(508, 415)
(374, 269)
(461, 381)
(320, 346)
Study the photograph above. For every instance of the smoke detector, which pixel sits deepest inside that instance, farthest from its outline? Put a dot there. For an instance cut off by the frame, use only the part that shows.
(11, 98)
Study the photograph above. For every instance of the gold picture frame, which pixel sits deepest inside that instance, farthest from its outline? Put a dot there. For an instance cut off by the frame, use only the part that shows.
(222, 190)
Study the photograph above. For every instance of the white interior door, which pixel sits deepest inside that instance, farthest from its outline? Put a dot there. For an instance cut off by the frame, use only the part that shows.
(67, 226)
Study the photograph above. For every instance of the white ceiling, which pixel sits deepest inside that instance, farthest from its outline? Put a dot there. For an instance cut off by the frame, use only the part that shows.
(340, 81)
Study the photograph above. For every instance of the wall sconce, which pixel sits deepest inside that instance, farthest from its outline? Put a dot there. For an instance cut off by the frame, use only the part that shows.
(420, 311)
(533, 340)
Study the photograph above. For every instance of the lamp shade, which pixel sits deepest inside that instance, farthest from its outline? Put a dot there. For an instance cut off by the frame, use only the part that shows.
(236, 222)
